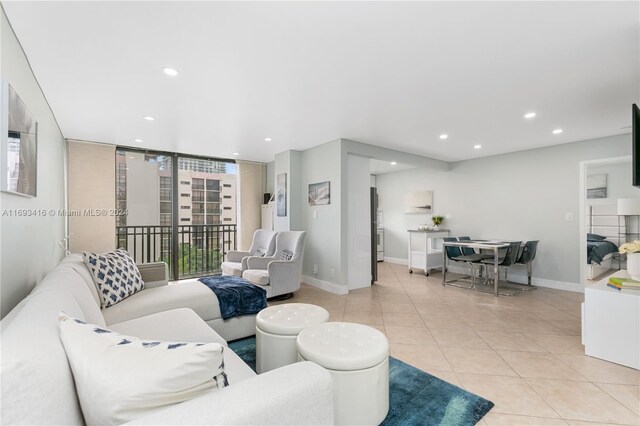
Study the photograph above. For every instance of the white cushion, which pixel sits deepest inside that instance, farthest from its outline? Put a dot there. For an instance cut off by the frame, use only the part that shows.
(115, 274)
(343, 346)
(174, 325)
(75, 262)
(188, 294)
(120, 378)
(66, 278)
(289, 319)
(256, 276)
(232, 268)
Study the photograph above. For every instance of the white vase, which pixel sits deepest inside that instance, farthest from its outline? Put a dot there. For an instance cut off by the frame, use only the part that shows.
(633, 265)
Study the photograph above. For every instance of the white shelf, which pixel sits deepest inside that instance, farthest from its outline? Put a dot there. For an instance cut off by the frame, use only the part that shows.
(428, 256)
(611, 323)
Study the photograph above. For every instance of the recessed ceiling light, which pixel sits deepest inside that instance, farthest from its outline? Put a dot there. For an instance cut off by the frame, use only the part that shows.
(477, 146)
(267, 139)
(133, 158)
(170, 71)
(393, 163)
(236, 153)
(444, 136)
(149, 118)
(530, 115)
(137, 140)
(557, 131)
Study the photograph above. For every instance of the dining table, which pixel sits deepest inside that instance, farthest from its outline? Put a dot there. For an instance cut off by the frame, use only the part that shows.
(491, 245)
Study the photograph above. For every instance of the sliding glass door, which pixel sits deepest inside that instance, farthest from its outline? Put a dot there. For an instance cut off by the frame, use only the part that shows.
(180, 210)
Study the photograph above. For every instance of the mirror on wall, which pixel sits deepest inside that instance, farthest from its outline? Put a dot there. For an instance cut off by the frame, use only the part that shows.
(20, 150)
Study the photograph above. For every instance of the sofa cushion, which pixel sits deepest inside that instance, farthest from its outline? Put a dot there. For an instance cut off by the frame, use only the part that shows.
(74, 261)
(36, 382)
(115, 274)
(184, 324)
(232, 268)
(188, 294)
(120, 378)
(66, 278)
(256, 276)
(177, 324)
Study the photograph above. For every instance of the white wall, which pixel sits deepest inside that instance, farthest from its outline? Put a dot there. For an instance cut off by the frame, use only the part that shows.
(359, 222)
(520, 196)
(319, 164)
(618, 182)
(29, 245)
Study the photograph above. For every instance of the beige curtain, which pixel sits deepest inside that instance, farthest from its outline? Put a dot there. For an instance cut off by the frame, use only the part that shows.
(91, 189)
(251, 178)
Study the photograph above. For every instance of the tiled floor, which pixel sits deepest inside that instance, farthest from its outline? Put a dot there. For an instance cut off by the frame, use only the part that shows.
(522, 352)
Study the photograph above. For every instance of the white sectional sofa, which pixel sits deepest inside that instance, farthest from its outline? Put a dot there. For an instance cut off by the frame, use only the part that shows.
(159, 296)
(37, 385)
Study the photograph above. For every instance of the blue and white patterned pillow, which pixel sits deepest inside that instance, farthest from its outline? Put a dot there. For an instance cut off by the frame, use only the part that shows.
(115, 274)
(260, 252)
(120, 378)
(286, 255)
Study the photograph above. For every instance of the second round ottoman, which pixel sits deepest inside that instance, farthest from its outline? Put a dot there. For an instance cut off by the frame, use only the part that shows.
(357, 356)
(277, 328)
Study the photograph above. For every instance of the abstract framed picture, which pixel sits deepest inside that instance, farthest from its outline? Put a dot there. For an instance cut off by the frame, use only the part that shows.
(597, 186)
(281, 195)
(418, 202)
(320, 193)
(19, 145)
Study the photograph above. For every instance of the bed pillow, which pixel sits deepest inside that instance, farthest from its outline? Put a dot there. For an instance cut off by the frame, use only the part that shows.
(121, 378)
(595, 237)
(115, 274)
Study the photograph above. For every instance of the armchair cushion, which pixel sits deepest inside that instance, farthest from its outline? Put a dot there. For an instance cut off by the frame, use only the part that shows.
(256, 276)
(232, 268)
(258, 262)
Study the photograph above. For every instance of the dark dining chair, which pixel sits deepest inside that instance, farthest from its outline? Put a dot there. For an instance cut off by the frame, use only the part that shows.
(510, 258)
(526, 257)
(466, 255)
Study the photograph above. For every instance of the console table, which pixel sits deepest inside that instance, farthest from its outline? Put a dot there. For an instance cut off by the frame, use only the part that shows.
(428, 255)
(611, 323)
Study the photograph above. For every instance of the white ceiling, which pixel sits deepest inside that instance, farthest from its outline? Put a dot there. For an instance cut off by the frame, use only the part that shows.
(390, 74)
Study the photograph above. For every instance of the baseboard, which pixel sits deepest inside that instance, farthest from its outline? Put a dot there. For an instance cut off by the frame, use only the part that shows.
(516, 278)
(396, 260)
(325, 285)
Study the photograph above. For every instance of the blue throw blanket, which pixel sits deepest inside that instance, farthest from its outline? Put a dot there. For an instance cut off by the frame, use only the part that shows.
(236, 295)
(597, 250)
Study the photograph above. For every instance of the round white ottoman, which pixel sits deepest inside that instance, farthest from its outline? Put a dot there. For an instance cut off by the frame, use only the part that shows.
(357, 356)
(277, 328)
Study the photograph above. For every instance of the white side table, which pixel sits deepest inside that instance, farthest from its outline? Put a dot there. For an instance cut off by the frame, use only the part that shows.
(277, 328)
(357, 356)
(428, 255)
(611, 323)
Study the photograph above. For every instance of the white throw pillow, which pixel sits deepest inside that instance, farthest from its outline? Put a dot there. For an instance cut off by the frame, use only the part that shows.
(115, 274)
(120, 378)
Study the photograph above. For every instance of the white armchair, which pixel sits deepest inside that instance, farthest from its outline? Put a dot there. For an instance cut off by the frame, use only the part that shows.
(235, 261)
(277, 275)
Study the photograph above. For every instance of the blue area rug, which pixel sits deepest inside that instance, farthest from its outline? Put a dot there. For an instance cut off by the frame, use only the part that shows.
(415, 397)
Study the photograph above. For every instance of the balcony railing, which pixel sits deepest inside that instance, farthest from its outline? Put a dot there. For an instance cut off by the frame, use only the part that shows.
(201, 248)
